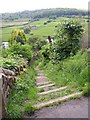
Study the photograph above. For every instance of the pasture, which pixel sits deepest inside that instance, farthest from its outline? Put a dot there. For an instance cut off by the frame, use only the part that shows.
(8, 26)
(41, 30)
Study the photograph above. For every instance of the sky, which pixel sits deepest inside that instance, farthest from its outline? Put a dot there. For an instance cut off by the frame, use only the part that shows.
(21, 5)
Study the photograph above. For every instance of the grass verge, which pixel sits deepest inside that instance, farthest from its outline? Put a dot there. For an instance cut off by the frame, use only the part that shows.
(24, 90)
(71, 72)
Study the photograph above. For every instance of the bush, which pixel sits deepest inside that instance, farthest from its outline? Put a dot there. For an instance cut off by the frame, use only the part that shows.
(46, 52)
(67, 43)
(36, 43)
(24, 50)
(17, 36)
(27, 30)
(45, 23)
(12, 62)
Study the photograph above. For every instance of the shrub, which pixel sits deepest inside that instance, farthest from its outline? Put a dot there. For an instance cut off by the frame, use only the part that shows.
(45, 23)
(12, 62)
(67, 43)
(27, 30)
(24, 50)
(36, 43)
(17, 36)
(46, 52)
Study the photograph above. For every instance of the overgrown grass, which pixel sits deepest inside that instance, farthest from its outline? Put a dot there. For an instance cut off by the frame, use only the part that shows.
(23, 95)
(72, 72)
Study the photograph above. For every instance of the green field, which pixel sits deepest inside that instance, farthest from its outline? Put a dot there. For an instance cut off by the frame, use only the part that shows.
(42, 29)
(6, 32)
(45, 30)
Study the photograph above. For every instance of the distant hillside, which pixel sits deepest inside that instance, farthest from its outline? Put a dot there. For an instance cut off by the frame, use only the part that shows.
(53, 12)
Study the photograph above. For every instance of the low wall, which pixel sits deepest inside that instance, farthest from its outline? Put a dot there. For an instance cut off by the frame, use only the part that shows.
(7, 79)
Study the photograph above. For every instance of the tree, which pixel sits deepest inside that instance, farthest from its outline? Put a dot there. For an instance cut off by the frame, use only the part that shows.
(68, 37)
(66, 43)
(17, 36)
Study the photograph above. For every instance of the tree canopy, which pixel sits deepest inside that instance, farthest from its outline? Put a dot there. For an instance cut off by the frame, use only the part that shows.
(52, 13)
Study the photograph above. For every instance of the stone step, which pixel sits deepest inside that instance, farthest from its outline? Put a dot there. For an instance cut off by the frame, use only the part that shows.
(51, 91)
(38, 77)
(43, 83)
(41, 79)
(48, 85)
(60, 99)
(40, 73)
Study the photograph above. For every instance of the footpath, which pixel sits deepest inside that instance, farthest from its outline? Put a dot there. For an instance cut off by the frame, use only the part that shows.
(50, 90)
(49, 95)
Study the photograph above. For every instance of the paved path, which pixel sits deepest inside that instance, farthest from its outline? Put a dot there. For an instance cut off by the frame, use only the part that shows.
(77, 108)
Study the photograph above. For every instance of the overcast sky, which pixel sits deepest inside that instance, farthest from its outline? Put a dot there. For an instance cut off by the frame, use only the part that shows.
(21, 5)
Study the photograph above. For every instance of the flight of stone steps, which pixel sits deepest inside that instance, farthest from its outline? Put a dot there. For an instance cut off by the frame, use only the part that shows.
(49, 93)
